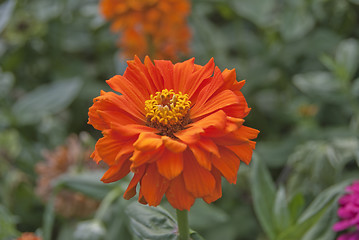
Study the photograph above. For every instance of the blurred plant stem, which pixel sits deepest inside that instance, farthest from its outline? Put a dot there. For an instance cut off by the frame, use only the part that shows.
(347, 90)
(182, 221)
(107, 202)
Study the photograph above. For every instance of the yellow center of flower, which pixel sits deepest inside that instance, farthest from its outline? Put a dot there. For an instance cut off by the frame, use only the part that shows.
(168, 111)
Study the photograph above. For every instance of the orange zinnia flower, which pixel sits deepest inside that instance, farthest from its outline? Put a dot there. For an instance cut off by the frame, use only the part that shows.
(179, 128)
(156, 27)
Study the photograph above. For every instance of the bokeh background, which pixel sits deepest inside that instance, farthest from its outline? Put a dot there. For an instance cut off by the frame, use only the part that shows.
(300, 59)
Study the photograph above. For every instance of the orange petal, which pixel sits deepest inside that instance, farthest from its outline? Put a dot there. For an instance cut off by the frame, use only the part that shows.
(182, 72)
(229, 78)
(141, 198)
(137, 73)
(131, 189)
(209, 145)
(200, 74)
(170, 165)
(247, 132)
(95, 156)
(213, 85)
(244, 151)
(233, 124)
(111, 102)
(154, 74)
(127, 88)
(216, 102)
(153, 185)
(212, 124)
(110, 148)
(173, 145)
(178, 196)
(227, 164)
(166, 70)
(238, 85)
(239, 110)
(216, 120)
(190, 135)
(202, 156)
(238, 137)
(217, 193)
(130, 130)
(118, 171)
(139, 157)
(198, 181)
(148, 141)
(115, 117)
(124, 150)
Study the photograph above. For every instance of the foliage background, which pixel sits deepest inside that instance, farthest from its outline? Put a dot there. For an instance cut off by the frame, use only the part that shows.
(300, 59)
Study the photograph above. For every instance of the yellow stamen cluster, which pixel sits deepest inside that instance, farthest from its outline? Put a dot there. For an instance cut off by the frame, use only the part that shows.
(168, 111)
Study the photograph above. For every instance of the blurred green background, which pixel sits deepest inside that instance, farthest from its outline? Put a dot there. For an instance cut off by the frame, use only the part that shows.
(300, 59)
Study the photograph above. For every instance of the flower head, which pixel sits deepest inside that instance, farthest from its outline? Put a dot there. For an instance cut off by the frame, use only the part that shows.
(178, 128)
(349, 213)
(62, 160)
(156, 27)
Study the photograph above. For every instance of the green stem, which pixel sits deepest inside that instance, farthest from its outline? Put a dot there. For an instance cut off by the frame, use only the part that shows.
(183, 228)
(106, 203)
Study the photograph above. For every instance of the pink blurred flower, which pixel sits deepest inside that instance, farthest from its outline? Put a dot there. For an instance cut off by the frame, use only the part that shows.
(348, 213)
(349, 236)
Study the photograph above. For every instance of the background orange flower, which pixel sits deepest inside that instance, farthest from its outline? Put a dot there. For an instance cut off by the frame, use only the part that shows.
(28, 236)
(64, 159)
(150, 27)
(179, 128)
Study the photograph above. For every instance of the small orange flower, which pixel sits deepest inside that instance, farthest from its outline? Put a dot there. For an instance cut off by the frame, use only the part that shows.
(65, 159)
(28, 236)
(156, 27)
(178, 128)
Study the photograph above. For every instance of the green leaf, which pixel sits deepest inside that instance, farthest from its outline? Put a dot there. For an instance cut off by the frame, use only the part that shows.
(263, 192)
(90, 230)
(315, 211)
(195, 236)
(6, 83)
(322, 229)
(258, 11)
(296, 204)
(10, 143)
(329, 62)
(151, 222)
(106, 203)
(49, 218)
(6, 9)
(7, 224)
(355, 87)
(280, 211)
(298, 230)
(295, 23)
(347, 58)
(87, 183)
(275, 153)
(323, 199)
(46, 99)
(317, 84)
(66, 231)
(204, 216)
(116, 222)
